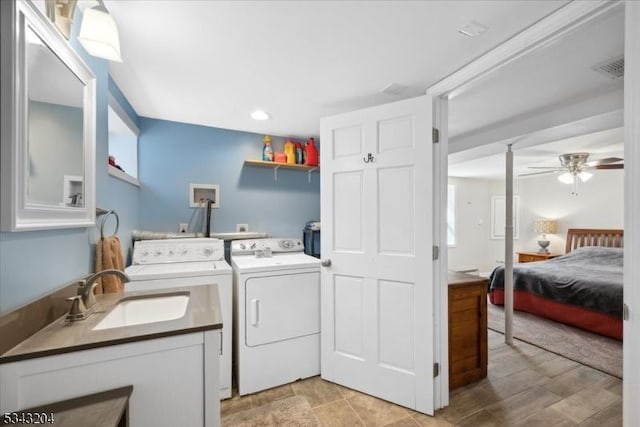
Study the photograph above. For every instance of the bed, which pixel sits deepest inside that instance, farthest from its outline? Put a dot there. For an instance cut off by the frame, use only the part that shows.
(581, 288)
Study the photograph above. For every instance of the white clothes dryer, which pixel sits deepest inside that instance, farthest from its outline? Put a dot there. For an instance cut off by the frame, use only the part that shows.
(276, 313)
(161, 264)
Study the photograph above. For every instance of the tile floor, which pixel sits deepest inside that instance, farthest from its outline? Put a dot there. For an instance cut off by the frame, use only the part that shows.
(526, 386)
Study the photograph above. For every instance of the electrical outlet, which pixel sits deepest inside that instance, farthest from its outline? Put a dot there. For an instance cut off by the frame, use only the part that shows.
(242, 227)
(183, 227)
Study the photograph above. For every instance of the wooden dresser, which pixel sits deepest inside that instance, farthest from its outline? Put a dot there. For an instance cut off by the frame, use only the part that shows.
(468, 350)
(534, 256)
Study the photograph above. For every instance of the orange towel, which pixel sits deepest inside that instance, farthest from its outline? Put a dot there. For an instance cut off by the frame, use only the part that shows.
(109, 255)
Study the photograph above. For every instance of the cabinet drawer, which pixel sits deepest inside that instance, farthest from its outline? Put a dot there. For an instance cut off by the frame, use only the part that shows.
(530, 258)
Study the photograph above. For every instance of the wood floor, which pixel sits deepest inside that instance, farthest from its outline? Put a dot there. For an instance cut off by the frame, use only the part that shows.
(526, 386)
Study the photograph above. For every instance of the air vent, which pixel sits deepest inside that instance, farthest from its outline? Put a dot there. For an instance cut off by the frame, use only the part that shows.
(612, 68)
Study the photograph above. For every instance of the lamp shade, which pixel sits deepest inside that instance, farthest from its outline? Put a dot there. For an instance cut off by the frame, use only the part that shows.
(544, 226)
(566, 178)
(585, 176)
(99, 34)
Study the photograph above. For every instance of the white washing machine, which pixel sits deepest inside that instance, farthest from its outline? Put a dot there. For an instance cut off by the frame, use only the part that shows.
(160, 264)
(276, 313)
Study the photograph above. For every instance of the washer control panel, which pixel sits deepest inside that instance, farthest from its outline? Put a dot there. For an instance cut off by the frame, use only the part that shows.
(256, 246)
(177, 250)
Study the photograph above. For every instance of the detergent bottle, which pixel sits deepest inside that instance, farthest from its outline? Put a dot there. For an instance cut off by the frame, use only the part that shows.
(290, 151)
(311, 153)
(267, 150)
(299, 155)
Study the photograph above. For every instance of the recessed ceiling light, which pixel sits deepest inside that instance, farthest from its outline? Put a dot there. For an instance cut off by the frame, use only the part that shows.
(260, 115)
(473, 29)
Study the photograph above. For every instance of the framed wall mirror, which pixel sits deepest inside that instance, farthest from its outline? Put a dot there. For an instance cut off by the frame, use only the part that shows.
(48, 126)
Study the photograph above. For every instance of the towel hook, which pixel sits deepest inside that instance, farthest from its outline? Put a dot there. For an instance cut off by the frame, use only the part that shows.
(105, 214)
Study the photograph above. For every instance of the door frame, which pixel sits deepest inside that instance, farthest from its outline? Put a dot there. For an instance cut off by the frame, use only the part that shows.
(551, 28)
(631, 346)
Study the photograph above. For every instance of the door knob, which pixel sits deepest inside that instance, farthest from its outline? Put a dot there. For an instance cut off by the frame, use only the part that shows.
(326, 263)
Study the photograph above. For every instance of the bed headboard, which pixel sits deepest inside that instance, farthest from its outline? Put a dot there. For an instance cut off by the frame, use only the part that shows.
(579, 237)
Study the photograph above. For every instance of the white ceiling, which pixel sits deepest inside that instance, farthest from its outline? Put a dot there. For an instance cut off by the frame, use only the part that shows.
(599, 145)
(213, 62)
(535, 86)
(556, 74)
(50, 80)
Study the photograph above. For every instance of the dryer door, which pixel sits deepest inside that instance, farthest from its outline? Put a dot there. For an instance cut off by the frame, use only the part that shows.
(282, 307)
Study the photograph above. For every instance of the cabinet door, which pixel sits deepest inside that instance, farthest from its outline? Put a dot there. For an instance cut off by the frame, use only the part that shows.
(467, 334)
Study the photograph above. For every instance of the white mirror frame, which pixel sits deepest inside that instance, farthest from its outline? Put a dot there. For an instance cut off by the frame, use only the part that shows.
(15, 213)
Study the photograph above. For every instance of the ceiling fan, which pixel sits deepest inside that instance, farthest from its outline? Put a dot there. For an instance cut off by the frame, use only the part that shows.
(574, 167)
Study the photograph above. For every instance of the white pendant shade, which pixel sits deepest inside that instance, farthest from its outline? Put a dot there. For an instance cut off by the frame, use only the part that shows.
(99, 34)
(585, 176)
(566, 178)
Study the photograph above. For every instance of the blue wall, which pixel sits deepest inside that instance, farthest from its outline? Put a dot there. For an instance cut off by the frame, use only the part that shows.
(173, 155)
(35, 263)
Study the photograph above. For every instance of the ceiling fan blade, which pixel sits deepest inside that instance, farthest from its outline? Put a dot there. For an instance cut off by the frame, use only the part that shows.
(618, 166)
(604, 161)
(545, 167)
(537, 173)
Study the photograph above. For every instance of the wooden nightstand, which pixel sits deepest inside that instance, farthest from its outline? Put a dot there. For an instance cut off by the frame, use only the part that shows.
(534, 256)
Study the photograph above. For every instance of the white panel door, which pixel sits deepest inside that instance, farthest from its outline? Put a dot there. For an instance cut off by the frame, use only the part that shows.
(377, 292)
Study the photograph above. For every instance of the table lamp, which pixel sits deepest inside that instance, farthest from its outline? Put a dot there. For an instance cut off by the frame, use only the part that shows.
(544, 226)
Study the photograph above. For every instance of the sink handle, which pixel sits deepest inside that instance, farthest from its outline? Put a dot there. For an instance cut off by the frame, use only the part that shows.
(255, 312)
(85, 290)
(77, 310)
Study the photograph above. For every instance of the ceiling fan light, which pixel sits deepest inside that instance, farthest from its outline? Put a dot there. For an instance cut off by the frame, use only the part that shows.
(99, 34)
(585, 176)
(566, 178)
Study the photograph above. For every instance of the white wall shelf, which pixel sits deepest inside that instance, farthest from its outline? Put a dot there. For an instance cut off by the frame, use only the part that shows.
(123, 176)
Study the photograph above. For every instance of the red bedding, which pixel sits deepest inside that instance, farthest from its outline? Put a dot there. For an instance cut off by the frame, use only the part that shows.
(599, 323)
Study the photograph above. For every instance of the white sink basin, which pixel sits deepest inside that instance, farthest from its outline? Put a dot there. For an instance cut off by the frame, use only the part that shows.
(145, 309)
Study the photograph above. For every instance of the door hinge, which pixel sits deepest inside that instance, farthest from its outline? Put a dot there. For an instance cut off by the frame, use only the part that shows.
(436, 370)
(625, 312)
(436, 252)
(436, 135)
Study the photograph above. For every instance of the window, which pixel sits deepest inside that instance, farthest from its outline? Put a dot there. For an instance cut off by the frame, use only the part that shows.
(123, 144)
(451, 215)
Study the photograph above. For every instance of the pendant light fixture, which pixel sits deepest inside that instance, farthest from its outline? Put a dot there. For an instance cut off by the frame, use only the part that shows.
(99, 33)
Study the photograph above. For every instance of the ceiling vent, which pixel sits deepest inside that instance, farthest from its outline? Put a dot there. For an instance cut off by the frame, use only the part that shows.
(612, 68)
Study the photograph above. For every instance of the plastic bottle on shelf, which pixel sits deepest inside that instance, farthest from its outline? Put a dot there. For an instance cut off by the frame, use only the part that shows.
(290, 152)
(299, 153)
(279, 157)
(267, 150)
(311, 153)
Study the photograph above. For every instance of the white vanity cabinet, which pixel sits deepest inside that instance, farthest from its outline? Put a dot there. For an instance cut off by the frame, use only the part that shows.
(174, 381)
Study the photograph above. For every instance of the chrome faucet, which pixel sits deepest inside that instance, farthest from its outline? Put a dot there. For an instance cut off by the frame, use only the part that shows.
(84, 303)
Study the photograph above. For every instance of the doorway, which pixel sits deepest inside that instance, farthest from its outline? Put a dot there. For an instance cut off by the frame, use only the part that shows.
(518, 130)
